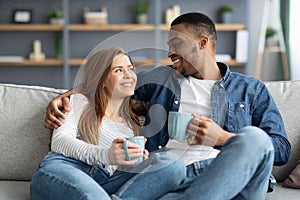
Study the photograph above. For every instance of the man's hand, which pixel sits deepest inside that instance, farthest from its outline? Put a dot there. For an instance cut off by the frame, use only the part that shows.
(205, 131)
(54, 111)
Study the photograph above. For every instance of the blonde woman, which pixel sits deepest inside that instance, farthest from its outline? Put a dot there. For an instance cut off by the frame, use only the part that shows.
(87, 150)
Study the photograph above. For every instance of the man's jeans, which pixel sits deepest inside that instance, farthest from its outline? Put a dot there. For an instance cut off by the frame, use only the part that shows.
(240, 171)
(59, 177)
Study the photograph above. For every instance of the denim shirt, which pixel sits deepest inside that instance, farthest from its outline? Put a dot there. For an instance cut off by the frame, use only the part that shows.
(237, 101)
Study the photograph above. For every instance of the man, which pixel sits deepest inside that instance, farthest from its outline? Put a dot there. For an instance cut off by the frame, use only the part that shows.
(232, 112)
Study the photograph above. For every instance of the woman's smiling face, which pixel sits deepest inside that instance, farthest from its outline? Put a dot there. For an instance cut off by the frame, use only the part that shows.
(121, 79)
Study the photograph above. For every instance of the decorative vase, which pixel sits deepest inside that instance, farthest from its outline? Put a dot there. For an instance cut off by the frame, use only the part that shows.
(141, 18)
(226, 17)
(56, 21)
(272, 41)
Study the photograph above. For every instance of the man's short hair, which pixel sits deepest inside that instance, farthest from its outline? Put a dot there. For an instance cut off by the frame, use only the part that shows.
(199, 23)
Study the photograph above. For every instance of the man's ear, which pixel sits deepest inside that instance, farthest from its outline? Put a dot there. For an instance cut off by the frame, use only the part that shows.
(203, 42)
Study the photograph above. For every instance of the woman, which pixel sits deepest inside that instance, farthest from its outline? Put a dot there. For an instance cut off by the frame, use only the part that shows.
(88, 148)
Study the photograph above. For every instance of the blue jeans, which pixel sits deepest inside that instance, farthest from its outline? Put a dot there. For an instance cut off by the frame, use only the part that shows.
(59, 177)
(240, 171)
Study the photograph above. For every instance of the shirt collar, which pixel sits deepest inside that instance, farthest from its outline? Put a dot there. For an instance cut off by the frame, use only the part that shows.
(225, 71)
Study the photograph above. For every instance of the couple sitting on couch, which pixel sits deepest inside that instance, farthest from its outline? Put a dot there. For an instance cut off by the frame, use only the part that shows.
(235, 136)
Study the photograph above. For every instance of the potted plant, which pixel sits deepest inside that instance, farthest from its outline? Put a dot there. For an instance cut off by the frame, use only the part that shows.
(271, 37)
(56, 16)
(140, 10)
(225, 13)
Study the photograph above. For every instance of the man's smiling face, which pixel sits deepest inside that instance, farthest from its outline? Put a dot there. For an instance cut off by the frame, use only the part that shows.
(183, 50)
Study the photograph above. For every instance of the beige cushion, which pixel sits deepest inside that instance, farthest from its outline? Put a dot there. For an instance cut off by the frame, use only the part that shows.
(24, 140)
(287, 97)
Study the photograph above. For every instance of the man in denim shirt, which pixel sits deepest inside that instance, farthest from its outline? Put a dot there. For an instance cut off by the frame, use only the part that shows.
(241, 106)
(241, 119)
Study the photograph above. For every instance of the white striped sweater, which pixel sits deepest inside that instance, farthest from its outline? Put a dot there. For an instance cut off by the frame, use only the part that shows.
(66, 142)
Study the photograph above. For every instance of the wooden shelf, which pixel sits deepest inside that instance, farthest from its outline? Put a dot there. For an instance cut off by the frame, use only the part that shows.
(230, 27)
(106, 27)
(110, 27)
(272, 49)
(219, 27)
(30, 27)
(79, 61)
(234, 63)
(26, 62)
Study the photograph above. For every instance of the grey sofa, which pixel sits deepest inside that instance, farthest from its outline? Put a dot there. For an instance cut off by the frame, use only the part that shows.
(24, 140)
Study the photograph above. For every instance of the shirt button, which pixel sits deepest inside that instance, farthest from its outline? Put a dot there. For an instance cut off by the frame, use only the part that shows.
(242, 105)
(176, 102)
(221, 85)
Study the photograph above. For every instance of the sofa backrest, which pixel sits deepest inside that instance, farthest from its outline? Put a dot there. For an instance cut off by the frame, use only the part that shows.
(287, 97)
(23, 113)
(22, 117)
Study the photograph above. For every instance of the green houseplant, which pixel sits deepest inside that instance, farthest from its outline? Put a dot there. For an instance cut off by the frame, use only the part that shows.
(140, 10)
(270, 32)
(271, 37)
(56, 16)
(225, 13)
(225, 8)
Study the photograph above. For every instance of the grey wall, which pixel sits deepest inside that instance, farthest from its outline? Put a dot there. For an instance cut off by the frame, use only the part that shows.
(81, 43)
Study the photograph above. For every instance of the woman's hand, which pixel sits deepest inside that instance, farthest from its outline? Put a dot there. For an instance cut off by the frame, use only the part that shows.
(117, 154)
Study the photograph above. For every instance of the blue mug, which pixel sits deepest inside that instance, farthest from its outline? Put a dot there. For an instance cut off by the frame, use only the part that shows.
(140, 140)
(177, 125)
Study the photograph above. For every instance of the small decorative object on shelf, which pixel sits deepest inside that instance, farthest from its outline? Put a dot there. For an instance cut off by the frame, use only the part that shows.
(58, 45)
(37, 54)
(56, 16)
(172, 13)
(140, 10)
(225, 13)
(271, 37)
(22, 16)
(95, 17)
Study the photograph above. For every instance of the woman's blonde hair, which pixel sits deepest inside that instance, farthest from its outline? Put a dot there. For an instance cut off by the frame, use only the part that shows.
(93, 74)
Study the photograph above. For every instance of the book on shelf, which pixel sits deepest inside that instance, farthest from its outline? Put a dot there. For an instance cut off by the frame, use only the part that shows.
(11, 58)
(223, 57)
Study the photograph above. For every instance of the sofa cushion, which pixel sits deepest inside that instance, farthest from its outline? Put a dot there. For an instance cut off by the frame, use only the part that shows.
(282, 193)
(287, 97)
(24, 140)
(14, 190)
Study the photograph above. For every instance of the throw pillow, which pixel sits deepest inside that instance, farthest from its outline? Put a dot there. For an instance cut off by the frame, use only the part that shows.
(293, 181)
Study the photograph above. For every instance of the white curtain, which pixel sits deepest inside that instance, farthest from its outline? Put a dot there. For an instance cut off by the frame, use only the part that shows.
(294, 39)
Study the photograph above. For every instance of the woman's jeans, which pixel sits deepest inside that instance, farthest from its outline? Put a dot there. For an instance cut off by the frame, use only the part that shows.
(240, 171)
(59, 177)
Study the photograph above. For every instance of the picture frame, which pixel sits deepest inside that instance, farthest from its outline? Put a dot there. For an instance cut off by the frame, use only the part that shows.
(22, 16)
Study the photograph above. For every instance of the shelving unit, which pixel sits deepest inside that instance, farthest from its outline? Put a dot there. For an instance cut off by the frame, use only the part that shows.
(107, 27)
(262, 48)
(68, 30)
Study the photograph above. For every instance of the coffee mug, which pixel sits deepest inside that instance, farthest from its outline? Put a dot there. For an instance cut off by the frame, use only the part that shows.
(140, 140)
(177, 125)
